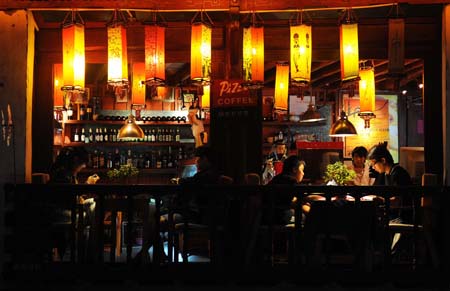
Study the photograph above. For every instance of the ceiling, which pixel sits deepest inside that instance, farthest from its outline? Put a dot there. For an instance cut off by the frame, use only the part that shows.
(325, 66)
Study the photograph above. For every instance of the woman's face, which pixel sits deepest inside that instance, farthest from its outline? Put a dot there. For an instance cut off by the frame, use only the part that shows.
(379, 166)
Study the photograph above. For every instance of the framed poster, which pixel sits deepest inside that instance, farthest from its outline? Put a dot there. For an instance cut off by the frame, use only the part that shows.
(298, 105)
(384, 127)
(121, 94)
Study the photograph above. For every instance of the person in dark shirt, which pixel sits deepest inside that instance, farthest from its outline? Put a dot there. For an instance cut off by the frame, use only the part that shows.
(392, 174)
(207, 173)
(292, 174)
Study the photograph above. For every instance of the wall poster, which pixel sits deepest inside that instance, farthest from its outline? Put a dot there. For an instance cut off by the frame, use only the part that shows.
(384, 127)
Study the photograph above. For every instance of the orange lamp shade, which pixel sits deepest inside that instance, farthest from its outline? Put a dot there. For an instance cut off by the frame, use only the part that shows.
(281, 86)
(138, 85)
(73, 56)
(206, 97)
(117, 54)
(367, 90)
(349, 51)
(58, 100)
(253, 54)
(200, 52)
(155, 65)
(301, 48)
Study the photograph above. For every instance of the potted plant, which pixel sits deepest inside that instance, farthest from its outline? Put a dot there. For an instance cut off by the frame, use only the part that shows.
(338, 174)
(123, 173)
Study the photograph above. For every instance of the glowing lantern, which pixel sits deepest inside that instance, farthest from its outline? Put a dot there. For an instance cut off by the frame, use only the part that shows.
(201, 52)
(138, 86)
(301, 43)
(117, 54)
(281, 86)
(367, 95)
(73, 55)
(349, 51)
(155, 65)
(253, 55)
(58, 100)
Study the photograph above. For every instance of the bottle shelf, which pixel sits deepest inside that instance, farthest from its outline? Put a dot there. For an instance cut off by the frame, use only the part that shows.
(122, 122)
(124, 144)
(141, 171)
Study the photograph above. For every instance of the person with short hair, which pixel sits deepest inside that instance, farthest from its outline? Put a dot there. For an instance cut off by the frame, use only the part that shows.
(292, 174)
(361, 167)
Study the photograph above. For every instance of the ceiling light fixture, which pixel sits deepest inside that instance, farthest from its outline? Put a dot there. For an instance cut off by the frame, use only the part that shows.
(367, 92)
(342, 127)
(253, 53)
(155, 65)
(301, 50)
(349, 47)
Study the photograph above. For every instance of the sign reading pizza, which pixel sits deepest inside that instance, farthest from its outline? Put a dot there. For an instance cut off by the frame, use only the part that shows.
(230, 93)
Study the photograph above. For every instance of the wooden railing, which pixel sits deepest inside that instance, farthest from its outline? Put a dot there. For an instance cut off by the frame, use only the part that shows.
(237, 238)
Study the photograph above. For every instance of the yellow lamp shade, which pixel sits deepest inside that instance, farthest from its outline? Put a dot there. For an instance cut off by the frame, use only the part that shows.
(301, 44)
(253, 54)
(349, 51)
(117, 54)
(201, 52)
(281, 86)
(73, 56)
(206, 96)
(138, 85)
(155, 64)
(58, 100)
(367, 90)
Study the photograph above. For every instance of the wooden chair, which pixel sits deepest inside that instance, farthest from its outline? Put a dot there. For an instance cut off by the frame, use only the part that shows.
(197, 239)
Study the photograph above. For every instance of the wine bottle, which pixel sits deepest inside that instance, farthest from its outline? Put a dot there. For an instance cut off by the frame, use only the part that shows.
(76, 137)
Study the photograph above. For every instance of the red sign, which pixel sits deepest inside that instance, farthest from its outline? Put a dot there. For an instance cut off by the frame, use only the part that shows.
(230, 93)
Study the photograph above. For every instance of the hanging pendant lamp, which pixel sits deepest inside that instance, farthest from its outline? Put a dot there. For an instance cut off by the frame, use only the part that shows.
(155, 65)
(201, 30)
(130, 130)
(73, 52)
(342, 127)
(281, 86)
(367, 93)
(253, 53)
(117, 51)
(349, 48)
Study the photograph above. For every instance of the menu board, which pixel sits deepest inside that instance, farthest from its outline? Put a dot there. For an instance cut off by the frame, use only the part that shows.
(384, 127)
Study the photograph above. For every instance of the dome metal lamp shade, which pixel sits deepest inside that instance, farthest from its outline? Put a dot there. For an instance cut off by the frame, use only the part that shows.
(342, 127)
(311, 115)
(130, 130)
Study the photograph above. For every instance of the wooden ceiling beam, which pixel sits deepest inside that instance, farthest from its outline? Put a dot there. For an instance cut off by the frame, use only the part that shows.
(192, 5)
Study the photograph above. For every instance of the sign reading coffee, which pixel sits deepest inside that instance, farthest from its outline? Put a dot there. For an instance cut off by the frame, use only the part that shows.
(230, 93)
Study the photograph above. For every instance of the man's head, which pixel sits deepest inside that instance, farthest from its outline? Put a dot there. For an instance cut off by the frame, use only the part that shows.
(204, 157)
(280, 148)
(359, 156)
(293, 166)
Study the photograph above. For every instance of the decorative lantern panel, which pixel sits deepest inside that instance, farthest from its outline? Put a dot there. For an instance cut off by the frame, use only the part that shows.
(396, 46)
(73, 56)
(253, 54)
(155, 64)
(349, 51)
(281, 86)
(367, 90)
(200, 52)
(117, 54)
(58, 100)
(301, 44)
(138, 86)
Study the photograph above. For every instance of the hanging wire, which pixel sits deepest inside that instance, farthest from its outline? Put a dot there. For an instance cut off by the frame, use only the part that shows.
(72, 17)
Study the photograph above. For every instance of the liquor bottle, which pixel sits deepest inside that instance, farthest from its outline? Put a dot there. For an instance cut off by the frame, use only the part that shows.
(109, 161)
(76, 136)
(114, 135)
(101, 160)
(177, 135)
(170, 163)
(82, 112)
(83, 136)
(129, 158)
(153, 135)
(158, 160)
(91, 135)
(95, 160)
(116, 159)
(89, 112)
(105, 135)
(147, 161)
(100, 135)
(153, 159)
